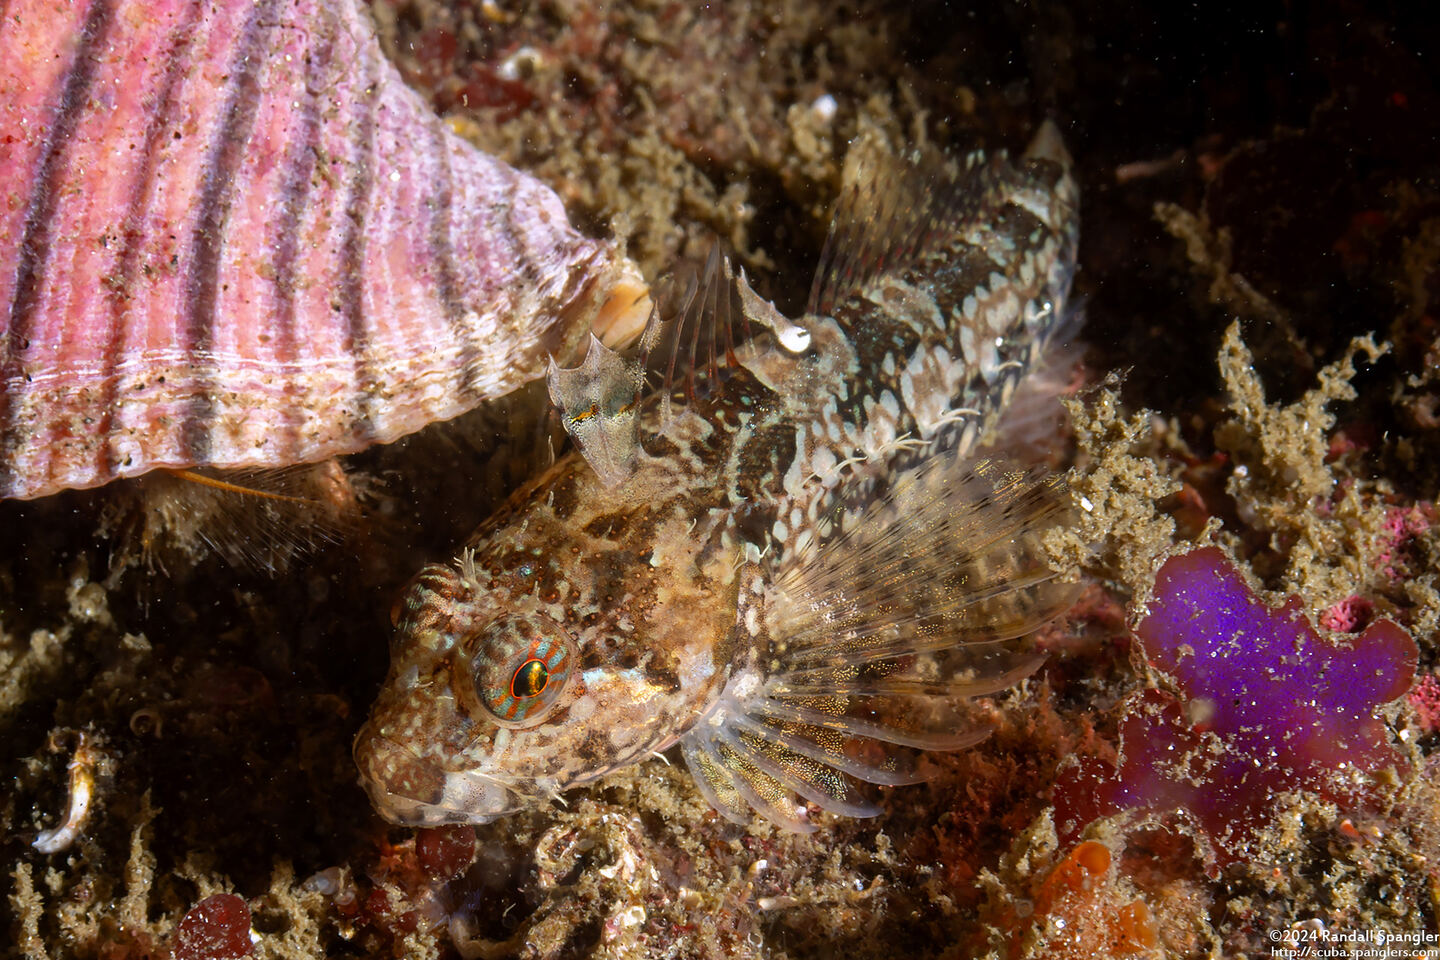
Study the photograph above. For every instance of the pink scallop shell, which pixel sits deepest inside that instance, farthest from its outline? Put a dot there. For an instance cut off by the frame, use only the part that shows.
(231, 236)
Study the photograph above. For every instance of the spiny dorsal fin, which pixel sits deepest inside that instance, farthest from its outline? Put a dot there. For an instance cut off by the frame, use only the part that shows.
(704, 313)
(599, 403)
(880, 637)
(699, 325)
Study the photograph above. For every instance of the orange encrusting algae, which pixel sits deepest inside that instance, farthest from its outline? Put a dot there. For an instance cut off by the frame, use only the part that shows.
(1079, 911)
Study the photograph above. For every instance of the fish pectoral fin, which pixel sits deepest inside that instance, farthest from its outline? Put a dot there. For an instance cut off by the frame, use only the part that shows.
(883, 635)
(814, 736)
(950, 556)
(743, 764)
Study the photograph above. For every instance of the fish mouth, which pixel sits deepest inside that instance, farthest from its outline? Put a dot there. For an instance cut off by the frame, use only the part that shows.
(412, 791)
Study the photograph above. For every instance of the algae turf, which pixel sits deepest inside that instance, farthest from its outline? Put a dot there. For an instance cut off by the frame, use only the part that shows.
(1234, 167)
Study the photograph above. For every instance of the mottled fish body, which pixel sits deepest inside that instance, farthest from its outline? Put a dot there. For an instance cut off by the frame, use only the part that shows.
(780, 559)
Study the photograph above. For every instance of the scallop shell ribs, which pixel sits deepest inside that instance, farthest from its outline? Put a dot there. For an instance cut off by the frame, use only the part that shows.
(231, 236)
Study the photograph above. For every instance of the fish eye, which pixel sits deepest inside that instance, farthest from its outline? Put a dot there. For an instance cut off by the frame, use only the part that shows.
(514, 670)
(530, 680)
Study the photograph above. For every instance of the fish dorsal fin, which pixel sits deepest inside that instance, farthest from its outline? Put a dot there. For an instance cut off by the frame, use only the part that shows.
(698, 327)
(879, 638)
(703, 314)
(599, 403)
(892, 208)
(707, 315)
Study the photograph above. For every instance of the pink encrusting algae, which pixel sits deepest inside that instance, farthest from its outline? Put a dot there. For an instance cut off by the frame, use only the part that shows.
(231, 236)
(1265, 706)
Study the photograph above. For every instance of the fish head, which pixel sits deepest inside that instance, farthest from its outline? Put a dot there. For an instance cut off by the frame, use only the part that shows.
(534, 666)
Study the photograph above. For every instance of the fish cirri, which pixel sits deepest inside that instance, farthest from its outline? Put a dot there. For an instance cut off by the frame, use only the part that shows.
(781, 559)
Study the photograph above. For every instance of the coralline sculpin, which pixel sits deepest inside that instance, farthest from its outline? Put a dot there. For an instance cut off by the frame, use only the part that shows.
(782, 558)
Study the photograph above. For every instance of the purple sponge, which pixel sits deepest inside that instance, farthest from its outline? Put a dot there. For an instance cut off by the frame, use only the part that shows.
(1264, 706)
